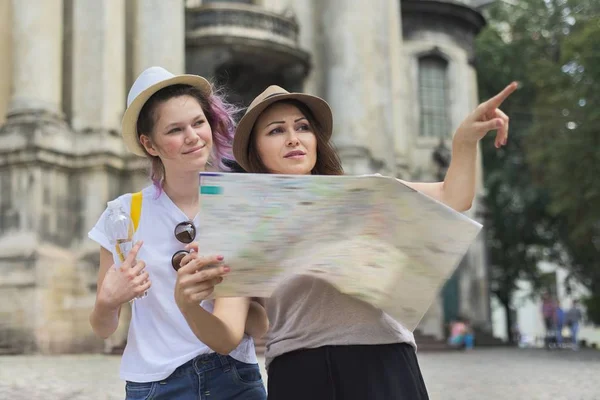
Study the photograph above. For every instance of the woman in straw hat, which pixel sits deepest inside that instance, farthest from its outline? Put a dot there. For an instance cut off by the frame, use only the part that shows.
(323, 344)
(180, 124)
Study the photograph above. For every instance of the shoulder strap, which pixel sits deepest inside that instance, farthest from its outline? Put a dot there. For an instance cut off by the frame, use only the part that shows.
(136, 209)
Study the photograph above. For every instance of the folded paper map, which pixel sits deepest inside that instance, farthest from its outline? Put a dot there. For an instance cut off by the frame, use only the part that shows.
(371, 236)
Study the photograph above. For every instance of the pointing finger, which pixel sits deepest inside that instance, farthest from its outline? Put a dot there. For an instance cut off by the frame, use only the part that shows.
(497, 100)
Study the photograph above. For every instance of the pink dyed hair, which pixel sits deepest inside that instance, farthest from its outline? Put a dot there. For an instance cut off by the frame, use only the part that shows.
(219, 114)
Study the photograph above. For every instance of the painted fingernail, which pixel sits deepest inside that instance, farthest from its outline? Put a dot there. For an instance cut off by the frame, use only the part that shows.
(220, 258)
(226, 269)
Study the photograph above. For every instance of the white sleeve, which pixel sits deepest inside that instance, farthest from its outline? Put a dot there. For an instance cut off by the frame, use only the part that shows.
(98, 232)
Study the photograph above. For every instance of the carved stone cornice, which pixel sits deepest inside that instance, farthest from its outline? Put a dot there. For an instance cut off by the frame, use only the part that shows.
(250, 22)
(38, 156)
(248, 33)
(456, 19)
(38, 139)
(468, 17)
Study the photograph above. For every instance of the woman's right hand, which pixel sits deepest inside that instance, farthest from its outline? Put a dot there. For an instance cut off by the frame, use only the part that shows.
(197, 277)
(126, 282)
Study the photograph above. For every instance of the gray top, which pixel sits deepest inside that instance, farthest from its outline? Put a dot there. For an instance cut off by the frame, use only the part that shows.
(574, 315)
(305, 312)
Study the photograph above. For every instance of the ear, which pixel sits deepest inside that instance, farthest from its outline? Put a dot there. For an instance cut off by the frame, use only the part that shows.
(147, 144)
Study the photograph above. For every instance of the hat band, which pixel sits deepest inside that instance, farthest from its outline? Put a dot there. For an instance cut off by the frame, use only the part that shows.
(274, 94)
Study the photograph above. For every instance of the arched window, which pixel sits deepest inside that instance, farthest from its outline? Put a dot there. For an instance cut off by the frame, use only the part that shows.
(433, 97)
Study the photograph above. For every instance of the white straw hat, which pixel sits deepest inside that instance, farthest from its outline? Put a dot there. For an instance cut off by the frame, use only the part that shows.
(149, 82)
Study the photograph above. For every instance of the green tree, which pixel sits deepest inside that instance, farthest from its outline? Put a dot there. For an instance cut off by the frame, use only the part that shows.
(543, 192)
(518, 225)
(564, 145)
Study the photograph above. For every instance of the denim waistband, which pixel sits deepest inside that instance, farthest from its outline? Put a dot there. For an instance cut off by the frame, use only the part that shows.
(204, 362)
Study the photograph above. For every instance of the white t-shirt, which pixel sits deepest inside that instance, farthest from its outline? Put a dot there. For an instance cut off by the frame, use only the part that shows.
(159, 338)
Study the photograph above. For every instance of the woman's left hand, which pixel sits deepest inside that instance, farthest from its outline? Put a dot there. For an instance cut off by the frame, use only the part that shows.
(487, 117)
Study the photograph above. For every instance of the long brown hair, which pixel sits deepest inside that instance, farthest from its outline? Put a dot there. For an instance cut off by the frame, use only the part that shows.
(328, 162)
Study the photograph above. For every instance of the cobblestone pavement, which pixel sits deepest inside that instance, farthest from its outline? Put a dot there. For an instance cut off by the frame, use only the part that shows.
(507, 374)
(481, 374)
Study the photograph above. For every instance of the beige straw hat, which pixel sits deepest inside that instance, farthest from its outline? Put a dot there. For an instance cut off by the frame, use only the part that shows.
(272, 94)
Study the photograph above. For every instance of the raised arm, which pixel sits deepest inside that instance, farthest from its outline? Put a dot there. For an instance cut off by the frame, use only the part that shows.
(458, 188)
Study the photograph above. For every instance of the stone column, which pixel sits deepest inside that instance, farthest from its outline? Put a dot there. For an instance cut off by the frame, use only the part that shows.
(306, 12)
(37, 58)
(35, 120)
(158, 35)
(356, 37)
(5, 54)
(97, 93)
(399, 89)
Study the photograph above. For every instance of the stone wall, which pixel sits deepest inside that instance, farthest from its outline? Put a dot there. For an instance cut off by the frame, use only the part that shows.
(45, 299)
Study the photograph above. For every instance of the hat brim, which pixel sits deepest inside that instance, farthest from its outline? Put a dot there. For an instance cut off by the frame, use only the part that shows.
(130, 118)
(241, 140)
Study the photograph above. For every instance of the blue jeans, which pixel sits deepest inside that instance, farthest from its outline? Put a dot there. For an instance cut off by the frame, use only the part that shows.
(574, 332)
(559, 338)
(467, 340)
(206, 377)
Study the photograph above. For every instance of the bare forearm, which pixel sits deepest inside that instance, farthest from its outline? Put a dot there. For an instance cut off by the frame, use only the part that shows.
(458, 189)
(257, 323)
(104, 320)
(211, 330)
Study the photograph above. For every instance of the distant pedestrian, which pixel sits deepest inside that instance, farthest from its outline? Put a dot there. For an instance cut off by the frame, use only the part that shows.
(548, 311)
(461, 334)
(574, 317)
(559, 319)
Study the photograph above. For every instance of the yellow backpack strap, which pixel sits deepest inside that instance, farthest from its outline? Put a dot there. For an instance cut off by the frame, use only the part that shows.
(136, 209)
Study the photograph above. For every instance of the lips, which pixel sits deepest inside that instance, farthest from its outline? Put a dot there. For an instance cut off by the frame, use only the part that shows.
(194, 149)
(295, 153)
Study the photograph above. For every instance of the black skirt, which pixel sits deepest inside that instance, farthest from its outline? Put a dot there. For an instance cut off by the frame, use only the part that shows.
(365, 372)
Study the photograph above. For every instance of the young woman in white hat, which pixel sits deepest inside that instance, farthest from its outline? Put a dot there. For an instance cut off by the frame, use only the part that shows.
(323, 344)
(180, 125)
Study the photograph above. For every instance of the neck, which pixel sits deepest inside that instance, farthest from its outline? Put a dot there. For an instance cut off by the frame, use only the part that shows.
(183, 190)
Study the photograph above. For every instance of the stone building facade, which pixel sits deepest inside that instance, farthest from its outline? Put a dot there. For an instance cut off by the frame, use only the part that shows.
(399, 76)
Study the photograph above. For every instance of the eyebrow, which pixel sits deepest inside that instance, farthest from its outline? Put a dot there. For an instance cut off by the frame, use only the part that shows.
(173, 124)
(283, 122)
(274, 122)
